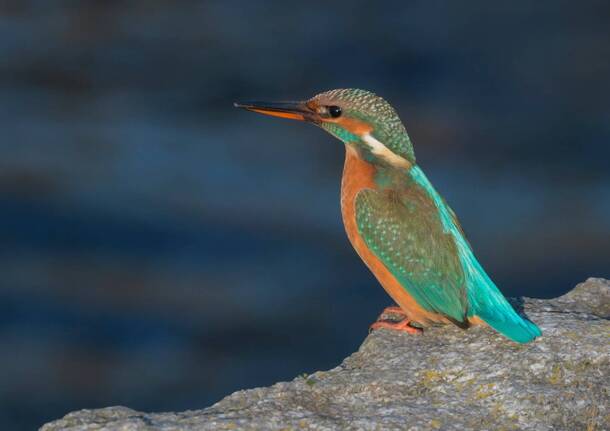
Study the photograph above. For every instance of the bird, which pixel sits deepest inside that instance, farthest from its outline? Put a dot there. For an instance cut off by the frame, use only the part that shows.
(399, 225)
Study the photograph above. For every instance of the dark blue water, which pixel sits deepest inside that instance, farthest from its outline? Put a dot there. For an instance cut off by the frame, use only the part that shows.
(160, 249)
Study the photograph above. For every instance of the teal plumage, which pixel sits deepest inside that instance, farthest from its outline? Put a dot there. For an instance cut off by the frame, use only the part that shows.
(484, 298)
(400, 229)
(430, 257)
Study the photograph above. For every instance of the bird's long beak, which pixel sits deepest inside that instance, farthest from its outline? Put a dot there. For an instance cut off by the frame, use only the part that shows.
(293, 110)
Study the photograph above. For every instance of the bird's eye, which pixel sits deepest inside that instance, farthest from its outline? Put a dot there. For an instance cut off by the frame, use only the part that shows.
(334, 111)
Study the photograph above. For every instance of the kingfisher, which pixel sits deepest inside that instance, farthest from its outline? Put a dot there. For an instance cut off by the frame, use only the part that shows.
(399, 225)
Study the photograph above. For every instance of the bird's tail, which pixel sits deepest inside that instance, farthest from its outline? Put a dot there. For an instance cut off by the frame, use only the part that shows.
(519, 330)
(488, 303)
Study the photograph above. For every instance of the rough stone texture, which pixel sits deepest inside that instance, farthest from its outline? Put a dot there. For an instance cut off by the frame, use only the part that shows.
(447, 379)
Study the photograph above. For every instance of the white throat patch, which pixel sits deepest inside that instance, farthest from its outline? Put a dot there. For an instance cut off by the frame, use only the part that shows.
(383, 152)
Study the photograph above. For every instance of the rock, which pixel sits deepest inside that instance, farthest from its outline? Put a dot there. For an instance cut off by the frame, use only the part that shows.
(447, 379)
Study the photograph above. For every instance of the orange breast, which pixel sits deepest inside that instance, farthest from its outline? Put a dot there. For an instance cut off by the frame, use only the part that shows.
(358, 175)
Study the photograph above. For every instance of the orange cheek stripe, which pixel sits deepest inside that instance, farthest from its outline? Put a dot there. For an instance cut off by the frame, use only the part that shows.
(291, 115)
(355, 127)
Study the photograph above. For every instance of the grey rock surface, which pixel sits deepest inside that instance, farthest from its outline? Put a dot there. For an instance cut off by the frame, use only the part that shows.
(447, 379)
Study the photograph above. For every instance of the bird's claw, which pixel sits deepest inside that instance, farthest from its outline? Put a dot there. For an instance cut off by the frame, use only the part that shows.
(401, 326)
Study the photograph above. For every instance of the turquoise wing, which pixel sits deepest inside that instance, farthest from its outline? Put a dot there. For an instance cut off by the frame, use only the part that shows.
(484, 298)
(404, 231)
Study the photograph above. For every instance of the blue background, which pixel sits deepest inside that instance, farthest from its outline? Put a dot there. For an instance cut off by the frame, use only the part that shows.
(161, 249)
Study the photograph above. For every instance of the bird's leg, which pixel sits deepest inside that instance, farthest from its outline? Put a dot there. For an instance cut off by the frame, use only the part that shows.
(402, 325)
(394, 309)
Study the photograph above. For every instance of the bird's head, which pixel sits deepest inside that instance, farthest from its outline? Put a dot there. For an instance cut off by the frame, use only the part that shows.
(362, 120)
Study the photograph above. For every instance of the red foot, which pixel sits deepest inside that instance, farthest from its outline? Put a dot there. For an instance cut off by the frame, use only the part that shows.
(402, 326)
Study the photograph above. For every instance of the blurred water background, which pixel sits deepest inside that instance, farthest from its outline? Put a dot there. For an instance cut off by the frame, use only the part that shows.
(161, 249)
